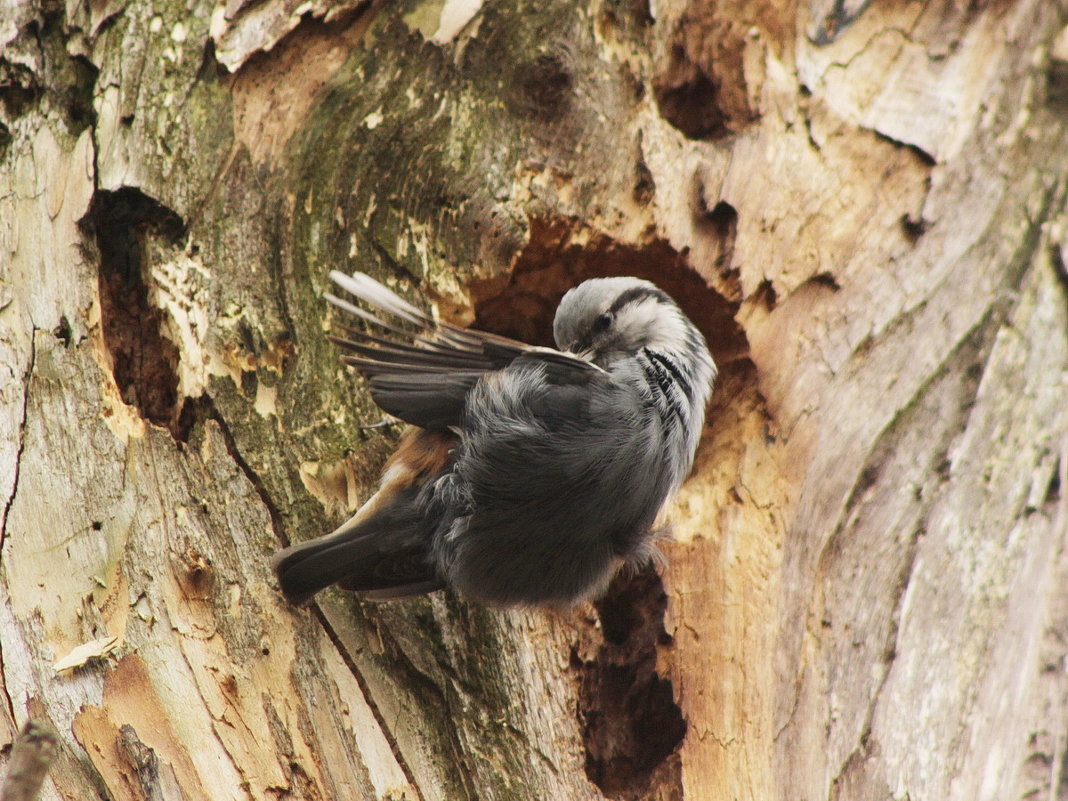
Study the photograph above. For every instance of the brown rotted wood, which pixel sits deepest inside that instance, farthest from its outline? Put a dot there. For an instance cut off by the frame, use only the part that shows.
(861, 204)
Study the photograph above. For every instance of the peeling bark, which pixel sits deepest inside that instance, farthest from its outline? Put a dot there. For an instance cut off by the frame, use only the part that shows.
(864, 206)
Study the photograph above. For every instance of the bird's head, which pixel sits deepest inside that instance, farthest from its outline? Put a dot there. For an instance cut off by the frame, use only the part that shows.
(604, 319)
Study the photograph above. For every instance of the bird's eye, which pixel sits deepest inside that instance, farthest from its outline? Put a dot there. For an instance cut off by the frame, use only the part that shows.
(602, 322)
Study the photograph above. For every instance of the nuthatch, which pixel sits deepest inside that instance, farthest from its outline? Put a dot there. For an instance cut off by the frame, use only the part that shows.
(531, 474)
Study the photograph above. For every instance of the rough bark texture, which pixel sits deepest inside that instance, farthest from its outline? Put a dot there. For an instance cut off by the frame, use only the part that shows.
(863, 205)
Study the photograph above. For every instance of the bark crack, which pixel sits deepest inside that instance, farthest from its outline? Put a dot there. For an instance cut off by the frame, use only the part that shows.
(205, 703)
(279, 531)
(860, 749)
(970, 360)
(534, 747)
(361, 682)
(213, 413)
(27, 375)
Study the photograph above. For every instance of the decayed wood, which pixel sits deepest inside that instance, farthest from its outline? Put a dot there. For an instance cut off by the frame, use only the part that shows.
(863, 205)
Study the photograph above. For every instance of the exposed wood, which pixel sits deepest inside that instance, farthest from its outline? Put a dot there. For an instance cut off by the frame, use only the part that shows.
(863, 205)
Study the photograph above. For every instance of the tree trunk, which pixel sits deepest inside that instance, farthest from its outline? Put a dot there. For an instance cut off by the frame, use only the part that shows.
(862, 205)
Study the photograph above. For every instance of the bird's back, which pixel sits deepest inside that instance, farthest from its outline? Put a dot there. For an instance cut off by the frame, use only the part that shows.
(537, 460)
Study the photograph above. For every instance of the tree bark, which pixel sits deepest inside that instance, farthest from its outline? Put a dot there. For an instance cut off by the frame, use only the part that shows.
(864, 206)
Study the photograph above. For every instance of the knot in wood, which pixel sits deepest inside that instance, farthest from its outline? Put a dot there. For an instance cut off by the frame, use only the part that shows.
(543, 85)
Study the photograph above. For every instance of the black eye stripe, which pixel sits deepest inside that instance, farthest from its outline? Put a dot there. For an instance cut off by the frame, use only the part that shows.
(638, 293)
(602, 322)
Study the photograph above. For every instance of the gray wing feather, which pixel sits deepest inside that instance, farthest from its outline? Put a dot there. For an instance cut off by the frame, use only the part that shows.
(421, 370)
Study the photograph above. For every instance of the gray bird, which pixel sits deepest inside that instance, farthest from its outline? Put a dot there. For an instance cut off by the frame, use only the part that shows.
(531, 474)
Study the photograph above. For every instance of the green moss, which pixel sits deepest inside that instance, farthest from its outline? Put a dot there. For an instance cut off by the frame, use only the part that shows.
(421, 149)
(424, 17)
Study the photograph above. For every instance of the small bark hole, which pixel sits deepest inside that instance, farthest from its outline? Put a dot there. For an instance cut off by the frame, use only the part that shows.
(644, 184)
(63, 331)
(766, 295)
(722, 218)
(700, 86)
(914, 227)
(825, 280)
(195, 574)
(19, 88)
(722, 222)
(687, 99)
(1053, 491)
(1057, 85)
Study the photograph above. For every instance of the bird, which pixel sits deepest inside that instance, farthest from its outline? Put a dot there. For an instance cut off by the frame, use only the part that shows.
(529, 475)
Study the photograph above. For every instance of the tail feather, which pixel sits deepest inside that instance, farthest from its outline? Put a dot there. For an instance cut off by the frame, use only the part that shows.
(377, 294)
(384, 553)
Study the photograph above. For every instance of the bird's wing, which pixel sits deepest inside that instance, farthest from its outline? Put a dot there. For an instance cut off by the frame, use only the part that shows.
(421, 370)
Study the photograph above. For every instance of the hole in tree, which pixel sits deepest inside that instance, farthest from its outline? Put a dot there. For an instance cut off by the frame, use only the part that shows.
(144, 361)
(561, 253)
(689, 99)
(631, 721)
(700, 82)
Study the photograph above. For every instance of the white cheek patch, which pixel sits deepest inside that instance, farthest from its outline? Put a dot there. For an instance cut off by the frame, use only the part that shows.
(659, 324)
